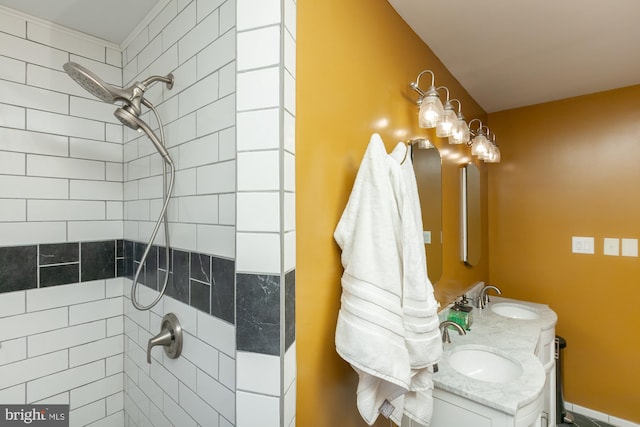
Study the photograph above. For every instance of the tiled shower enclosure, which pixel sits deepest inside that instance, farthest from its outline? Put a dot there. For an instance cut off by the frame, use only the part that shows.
(79, 196)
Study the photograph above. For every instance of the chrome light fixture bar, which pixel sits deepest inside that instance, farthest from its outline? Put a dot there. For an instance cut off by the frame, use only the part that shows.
(451, 124)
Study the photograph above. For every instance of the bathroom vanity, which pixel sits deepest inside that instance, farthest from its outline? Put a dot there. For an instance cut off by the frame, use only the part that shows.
(502, 373)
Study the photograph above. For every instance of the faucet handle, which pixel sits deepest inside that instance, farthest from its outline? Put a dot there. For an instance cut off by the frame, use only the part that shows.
(164, 338)
(170, 337)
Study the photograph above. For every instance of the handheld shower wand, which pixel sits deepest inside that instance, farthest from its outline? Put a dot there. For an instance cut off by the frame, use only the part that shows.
(134, 122)
(129, 114)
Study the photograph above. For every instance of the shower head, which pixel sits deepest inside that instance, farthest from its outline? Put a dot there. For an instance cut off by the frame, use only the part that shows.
(94, 84)
(129, 113)
(131, 96)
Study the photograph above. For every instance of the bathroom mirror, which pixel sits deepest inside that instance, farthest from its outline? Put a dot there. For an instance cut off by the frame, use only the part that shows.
(470, 221)
(428, 169)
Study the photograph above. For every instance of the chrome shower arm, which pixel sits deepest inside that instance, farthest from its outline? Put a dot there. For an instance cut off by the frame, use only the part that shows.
(168, 79)
(133, 96)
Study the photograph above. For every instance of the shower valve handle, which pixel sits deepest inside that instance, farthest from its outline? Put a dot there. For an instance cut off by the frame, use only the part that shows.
(170, 337)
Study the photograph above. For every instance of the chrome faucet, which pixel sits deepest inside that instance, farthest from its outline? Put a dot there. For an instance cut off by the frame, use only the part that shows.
(444, 330)
(483, 298)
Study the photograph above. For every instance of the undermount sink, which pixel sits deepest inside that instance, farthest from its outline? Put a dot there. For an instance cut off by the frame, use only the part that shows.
(514, 311)
(484, 363)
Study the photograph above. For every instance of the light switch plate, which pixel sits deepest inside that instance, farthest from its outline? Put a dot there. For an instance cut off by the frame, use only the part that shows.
(582, 245)
(427, 237)
(630, 247)
(611, 246)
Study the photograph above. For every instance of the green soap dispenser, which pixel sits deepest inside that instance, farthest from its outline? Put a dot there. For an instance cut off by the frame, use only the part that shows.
(461, 313)
(467, 308)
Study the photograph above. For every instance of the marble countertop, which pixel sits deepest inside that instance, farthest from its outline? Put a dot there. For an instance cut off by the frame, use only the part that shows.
(515, 338)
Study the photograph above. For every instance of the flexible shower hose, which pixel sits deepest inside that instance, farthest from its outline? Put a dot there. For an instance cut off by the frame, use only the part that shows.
(162, 218)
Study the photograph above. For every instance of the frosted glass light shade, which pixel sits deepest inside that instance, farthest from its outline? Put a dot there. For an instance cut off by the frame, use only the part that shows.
(484, 155)
(431, 111)
(492, 155)
(449, 120)
(479, 145)
(460, 133)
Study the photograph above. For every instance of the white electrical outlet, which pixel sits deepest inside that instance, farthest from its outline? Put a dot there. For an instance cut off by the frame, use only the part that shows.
(630, 247)
(611, 246)
(582, 245)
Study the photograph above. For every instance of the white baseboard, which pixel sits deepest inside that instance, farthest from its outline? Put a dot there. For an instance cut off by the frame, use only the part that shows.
(600, 416)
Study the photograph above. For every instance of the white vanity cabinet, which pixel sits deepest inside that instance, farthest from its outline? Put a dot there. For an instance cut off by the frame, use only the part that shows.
(546, 352)
(451, 410)
(527, 400)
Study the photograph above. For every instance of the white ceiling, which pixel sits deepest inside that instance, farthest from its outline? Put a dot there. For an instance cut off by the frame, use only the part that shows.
(513, 53)
(506, 53)
(111, 20)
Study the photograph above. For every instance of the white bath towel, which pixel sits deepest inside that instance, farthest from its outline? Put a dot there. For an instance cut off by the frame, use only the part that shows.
(387, 325)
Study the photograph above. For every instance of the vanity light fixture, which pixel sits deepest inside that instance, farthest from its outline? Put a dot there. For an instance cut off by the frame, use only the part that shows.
(479, 143)
(460, 133)
(493, 156)
(493, 152)
(449, 118)
(451, 124)
(431, 109)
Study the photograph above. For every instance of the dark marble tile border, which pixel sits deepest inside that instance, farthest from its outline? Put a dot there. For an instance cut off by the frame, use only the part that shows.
(59, 253)
(52, 264)
(289, 309)
(207, 283)
(58, 264)
(258, 314)
(259, 301)
(18, 268)
(223, 289)
(97, 260)
(204, 282)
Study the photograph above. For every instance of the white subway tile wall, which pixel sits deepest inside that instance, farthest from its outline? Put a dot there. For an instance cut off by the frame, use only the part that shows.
(198, 387)
(259, 373)
(65, 344)
(70, 172)
(194, 115)
(290, 380)
(265, 203)
(53, 136)
(196, 42)
(257, 409)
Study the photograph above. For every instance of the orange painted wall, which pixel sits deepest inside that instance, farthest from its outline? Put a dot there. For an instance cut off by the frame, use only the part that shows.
(572, 168)
(355, 60)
